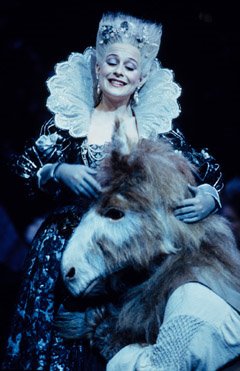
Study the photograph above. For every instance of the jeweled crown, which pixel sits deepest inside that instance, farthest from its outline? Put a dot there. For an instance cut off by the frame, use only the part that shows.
(122, 28)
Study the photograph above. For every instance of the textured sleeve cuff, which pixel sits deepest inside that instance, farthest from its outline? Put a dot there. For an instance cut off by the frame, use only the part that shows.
(46, 173)
(207, 188)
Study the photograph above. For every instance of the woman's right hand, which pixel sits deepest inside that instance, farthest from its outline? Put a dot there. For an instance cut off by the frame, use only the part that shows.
(79, 178)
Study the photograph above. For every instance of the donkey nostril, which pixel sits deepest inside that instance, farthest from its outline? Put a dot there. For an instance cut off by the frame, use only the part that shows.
(71, 273)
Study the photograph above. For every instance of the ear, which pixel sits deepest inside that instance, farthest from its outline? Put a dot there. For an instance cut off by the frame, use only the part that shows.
(97, 68)
(121, 144)
(143, 79)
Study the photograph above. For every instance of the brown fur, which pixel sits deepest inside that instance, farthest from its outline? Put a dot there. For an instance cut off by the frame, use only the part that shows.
(152, 177)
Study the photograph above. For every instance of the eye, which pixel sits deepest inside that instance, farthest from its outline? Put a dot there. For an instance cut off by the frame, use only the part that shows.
(114, 214)
(111, 62)
(130, 67)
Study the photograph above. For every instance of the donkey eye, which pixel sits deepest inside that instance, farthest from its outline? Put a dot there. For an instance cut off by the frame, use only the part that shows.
(114, 214)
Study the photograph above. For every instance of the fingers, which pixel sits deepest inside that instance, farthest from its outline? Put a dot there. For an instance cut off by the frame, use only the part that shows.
(88, 185)
(89, 189)
(190, 219)
(85, 189)
(87, 192)
(189, 211)
(187, 202)
(184, 211)
(197, 208)
(80, 179)
(92, 183)
(189, 216)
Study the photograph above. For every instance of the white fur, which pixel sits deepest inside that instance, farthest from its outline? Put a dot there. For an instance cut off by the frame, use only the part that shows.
(85, 256)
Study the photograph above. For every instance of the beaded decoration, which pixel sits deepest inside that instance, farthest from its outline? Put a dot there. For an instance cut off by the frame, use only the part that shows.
(92, 154)
(123, 28)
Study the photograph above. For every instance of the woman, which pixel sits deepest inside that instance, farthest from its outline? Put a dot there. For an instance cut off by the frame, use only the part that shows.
(120, 79)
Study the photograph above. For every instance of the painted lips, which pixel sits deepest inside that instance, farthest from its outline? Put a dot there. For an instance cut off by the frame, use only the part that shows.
(117, 83)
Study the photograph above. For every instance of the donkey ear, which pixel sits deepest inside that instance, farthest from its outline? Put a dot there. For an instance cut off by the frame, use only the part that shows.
(121, 143)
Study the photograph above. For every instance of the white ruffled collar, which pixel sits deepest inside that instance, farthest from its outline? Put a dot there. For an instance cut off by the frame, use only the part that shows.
(72, 101)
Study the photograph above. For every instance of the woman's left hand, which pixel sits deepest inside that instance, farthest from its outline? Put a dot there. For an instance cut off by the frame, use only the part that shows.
(196, 208)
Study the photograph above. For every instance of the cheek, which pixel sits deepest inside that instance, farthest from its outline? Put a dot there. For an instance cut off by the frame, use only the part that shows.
(102, 77)
(135, 79)
(103, 71)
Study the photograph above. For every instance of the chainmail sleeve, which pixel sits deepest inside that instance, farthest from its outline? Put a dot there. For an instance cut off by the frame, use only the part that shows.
(200, 331)
(52, 146)
(208, 169)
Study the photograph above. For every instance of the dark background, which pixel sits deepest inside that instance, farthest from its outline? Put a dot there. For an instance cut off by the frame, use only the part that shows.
(200, 42)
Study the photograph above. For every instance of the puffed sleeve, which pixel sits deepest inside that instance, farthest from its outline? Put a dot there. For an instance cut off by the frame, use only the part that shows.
(53, 146)
(208, 169)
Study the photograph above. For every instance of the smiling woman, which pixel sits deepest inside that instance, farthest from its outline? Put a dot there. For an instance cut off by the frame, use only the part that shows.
(120, 72)
(120, 80)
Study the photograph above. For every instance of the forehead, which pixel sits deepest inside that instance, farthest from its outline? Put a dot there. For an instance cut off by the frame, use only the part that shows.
(124, 51)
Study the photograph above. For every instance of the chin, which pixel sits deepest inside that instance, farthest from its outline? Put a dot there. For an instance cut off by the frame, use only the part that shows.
(118, 95)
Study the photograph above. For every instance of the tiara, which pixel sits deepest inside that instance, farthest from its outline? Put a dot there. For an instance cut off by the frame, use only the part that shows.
(126, 29)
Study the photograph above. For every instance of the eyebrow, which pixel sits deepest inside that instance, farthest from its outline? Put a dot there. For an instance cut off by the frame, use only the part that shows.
(115, 55)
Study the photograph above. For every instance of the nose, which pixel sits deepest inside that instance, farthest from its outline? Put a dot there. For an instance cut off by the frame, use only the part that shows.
(70, 274)
(119, 70)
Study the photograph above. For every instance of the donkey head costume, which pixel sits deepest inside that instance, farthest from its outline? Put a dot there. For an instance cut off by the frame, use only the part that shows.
(132, 225)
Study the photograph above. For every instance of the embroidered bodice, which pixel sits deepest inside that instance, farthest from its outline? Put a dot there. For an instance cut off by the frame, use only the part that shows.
(92, 154)
(56, 145)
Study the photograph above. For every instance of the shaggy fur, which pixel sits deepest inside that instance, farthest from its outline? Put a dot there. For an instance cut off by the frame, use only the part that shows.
(149, 180)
